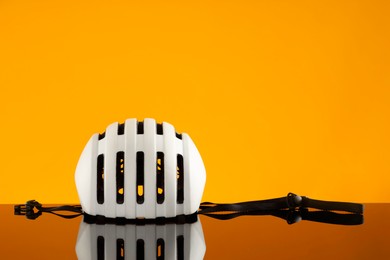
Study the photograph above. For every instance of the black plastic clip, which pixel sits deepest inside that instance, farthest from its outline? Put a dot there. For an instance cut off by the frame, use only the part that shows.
(293, 201)
(293, 216)
(28, 209)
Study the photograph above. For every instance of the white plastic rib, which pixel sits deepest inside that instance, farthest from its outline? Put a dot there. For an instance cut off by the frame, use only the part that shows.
(150, 167)
(170, 170)
(130, 168)
(110, 170)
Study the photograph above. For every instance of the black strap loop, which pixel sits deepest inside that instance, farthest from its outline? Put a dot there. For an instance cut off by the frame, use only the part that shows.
(33, 209)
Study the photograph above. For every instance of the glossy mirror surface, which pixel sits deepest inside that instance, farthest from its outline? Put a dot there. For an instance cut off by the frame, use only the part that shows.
(246, 237)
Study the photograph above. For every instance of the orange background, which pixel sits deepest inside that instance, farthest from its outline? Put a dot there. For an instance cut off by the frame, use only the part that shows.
(278, 96)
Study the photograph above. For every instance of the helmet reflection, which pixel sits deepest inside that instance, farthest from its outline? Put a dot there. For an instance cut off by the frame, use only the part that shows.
(170, 241)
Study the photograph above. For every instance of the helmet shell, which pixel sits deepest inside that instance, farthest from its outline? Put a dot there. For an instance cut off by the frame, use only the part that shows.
(140, 170)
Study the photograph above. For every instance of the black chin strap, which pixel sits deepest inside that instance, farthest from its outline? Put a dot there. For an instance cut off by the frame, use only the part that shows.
(291, 208)
(291, 202)
(294, 216)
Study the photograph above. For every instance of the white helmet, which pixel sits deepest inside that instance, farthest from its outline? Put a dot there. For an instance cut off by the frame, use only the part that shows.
(140, 170)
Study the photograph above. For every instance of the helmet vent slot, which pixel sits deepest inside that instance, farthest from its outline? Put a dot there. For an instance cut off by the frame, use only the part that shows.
(160, 177)
(180, 179)
(140, 128)
(160, 249)
(100, 248)
(121, 129)
(120, 249)
(100, 179)
(140, 177)
(180, 247)
(140, 251)
(101, 136)
(179, 136)
(159, 129)
(120, 177)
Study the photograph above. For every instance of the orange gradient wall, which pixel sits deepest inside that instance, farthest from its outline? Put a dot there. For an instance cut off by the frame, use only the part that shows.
(278, 96)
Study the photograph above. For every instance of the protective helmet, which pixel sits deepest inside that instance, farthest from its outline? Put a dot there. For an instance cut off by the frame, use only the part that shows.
(140, 170)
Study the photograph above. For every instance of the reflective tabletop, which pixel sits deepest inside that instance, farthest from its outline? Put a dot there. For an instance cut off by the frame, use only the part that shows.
(245, 237)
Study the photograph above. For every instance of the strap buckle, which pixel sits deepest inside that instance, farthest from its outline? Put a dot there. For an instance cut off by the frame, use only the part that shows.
(28, 209)
(293, 201)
